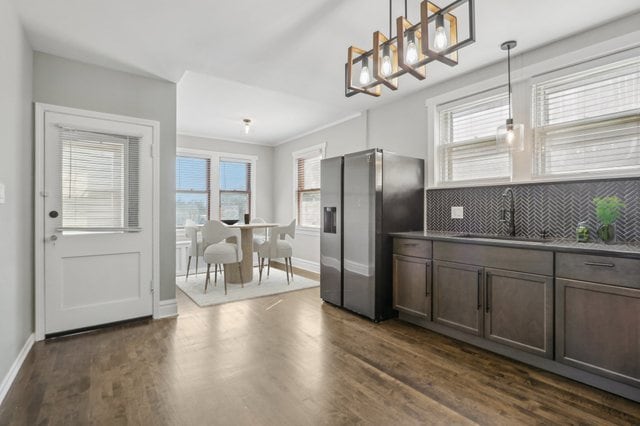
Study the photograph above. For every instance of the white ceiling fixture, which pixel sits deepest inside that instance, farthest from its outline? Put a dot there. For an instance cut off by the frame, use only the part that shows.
(281, 88)
(247, 125)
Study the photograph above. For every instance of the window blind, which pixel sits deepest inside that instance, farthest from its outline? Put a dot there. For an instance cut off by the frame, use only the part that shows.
(235, 188)
(589, 121)
(308, 189)
(193, 194)
(99, 180)
(467, 140)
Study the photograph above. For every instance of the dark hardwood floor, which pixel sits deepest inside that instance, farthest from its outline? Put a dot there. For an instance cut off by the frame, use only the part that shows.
(289, 360)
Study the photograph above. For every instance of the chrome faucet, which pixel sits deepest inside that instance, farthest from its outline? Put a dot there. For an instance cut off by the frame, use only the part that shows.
(508, 215)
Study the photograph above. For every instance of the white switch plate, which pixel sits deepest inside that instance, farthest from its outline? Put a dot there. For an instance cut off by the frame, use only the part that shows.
(457, 212)
(1, 193)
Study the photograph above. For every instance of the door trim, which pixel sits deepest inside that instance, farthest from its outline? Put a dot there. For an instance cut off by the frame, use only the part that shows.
(39, 217)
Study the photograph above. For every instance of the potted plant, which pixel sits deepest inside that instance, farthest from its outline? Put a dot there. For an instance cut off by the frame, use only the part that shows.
(607, 211)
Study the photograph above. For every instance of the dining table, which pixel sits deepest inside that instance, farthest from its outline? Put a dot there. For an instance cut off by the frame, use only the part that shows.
(246, 243)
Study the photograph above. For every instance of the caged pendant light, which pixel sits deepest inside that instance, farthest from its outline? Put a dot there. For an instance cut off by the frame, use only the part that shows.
(510, 136)
(411, 48)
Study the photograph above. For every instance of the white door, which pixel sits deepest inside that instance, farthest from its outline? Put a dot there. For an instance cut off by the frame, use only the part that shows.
(98, 239)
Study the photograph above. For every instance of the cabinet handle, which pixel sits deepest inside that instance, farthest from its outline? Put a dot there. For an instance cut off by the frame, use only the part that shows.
(487, 295)
(479, 290)
(604, 265)
(409, 244)
(428, 279)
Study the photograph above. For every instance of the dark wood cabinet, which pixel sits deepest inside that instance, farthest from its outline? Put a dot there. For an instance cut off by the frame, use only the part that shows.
(598, 329)
(518, 310)
(457, 296)
(412, 285)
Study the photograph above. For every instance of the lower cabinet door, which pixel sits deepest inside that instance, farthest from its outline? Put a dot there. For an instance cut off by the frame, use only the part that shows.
(519, 310)
(598, 329)
(412, 285)
(457, 296)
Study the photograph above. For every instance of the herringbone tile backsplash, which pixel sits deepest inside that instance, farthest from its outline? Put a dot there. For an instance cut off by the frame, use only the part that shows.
(552, 207)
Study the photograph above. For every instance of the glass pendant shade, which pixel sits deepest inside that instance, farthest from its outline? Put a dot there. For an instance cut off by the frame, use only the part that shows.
(510, 136)
(365, 76)
(387, 65)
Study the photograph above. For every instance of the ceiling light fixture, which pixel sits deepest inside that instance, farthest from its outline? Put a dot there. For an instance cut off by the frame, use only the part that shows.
(410, 50)
(510, 136)
(247, 125)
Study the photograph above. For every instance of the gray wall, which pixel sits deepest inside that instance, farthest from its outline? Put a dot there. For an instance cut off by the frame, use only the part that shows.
(349, 136)
(16, 173)
(74, 84)
(264, 165)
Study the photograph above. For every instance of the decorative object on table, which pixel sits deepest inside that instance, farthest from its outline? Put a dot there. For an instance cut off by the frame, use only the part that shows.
(608, 211)
(229, 221)
(247, 218)
(582, 232)
(411, 49)
(510, 136)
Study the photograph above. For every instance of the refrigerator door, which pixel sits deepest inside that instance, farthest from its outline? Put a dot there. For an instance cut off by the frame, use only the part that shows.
(331, 230)
(362, 205)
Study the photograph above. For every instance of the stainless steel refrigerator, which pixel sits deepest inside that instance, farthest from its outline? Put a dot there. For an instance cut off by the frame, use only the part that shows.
(365, 196)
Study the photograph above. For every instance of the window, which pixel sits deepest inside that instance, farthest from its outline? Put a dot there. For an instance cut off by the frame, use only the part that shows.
(235, 188)
(588, 121)
(307, 188)
(99, 180)
(193, 195)
(467, 140)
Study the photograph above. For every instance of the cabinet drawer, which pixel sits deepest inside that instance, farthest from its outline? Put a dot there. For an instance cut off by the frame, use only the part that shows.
(601, 269)
(411, 247)
(507, 258)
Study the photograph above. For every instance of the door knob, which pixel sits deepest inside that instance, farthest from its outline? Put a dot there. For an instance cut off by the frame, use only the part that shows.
(53, 238)
(53, 214)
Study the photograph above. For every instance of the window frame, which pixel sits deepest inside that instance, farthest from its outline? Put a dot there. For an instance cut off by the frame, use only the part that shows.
(524, 74)
(214, 175)
(249, 178)
(596, 122)
(207, 191)
(298, 155)
(437, 155)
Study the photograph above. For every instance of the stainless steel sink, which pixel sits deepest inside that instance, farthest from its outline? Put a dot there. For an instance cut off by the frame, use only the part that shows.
(503, 238)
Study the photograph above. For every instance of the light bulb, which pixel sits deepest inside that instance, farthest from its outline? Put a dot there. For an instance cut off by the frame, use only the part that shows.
(387, 67)
(440, 41)
(364, 73)
(510, 136)
(412, 50)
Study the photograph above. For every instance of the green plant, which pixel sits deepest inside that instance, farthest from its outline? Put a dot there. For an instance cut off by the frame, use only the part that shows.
(608, 209)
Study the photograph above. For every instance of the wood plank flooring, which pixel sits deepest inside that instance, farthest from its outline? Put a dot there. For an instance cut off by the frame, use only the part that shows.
(289, 360)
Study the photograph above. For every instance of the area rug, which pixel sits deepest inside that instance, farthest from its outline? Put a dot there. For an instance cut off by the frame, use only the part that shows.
(274, 284)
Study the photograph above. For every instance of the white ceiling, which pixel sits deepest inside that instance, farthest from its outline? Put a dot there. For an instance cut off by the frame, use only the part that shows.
(281, 62)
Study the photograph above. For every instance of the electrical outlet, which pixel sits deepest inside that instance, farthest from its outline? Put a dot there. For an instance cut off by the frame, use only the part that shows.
(457, 212)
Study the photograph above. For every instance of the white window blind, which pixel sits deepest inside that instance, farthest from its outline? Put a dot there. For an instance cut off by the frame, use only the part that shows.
(308, 189)
(100, 181)
(589, 121)
(467, 140)
(235, 188)
(193, 194)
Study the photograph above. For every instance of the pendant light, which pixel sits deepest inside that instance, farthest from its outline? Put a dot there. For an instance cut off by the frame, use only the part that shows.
(510, 136)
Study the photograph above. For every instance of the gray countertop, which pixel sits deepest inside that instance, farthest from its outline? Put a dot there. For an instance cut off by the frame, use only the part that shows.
(560, 245)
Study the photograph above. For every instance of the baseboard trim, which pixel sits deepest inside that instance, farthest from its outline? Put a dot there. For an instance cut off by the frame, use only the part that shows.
(15, 367)
(167, 309)
(307, 265)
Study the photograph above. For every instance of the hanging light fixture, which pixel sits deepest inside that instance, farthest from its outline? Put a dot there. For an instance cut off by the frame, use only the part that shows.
(247, 125)
(510, 136)
(410, 50)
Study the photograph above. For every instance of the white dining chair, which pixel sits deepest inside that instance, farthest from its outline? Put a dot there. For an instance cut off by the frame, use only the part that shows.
(259, 235)
(277, 247)
(219, 251)
(196, 248)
